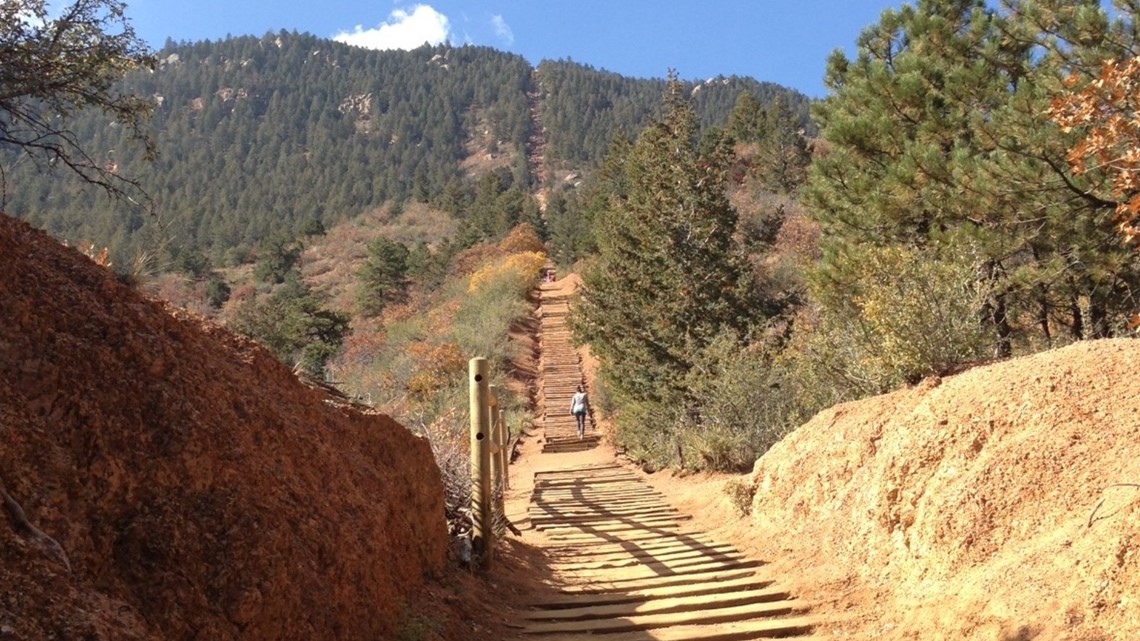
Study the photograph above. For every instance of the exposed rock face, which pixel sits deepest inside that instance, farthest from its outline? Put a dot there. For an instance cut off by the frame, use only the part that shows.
(1000, 503)
(198, 490)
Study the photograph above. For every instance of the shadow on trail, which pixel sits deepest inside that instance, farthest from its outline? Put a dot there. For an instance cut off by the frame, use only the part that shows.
(705, 556)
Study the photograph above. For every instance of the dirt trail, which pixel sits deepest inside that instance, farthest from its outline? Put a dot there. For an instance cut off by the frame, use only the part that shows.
(619, 560)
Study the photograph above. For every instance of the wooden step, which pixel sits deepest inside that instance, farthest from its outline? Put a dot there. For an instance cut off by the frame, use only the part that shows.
(729, 631)
(626, 565)
(627, 559)
(662, 605)
(695, 615)
(559, 601)
(690, 579)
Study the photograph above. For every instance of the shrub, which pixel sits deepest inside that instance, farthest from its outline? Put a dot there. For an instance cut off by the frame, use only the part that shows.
(292, 324)
(217, 292)
(518, 271)
(738, 405)
(740, 493)
(900, 314)
(311, 227)
(522, 239)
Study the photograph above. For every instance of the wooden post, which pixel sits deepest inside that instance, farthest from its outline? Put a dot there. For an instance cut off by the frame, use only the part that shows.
(496, 444)
(482, 533)
(504, 450)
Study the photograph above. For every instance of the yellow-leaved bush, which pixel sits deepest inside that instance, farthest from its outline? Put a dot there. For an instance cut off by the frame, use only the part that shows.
(519, 271)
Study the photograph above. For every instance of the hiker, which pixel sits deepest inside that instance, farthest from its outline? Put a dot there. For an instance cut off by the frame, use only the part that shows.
(579, 405)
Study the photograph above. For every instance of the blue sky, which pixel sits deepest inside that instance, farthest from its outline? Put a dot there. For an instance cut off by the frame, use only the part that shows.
(780, 41)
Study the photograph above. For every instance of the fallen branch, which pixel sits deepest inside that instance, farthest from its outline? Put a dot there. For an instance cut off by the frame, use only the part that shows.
(25, 529)
(1101, 501)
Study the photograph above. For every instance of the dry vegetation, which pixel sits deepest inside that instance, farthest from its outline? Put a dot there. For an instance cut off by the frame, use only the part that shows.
(330, 263)
(411, 362)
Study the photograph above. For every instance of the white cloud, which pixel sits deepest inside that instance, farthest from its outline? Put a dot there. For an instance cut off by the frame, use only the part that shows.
(502, 29)
(404, 29)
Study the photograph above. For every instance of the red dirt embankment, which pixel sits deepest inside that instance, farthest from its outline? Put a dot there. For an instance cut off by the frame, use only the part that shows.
(197, 489)
(976, 507)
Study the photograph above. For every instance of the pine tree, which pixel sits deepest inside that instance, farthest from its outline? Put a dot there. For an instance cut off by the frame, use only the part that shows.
(748, 120)
(783, 157)
(384, 277)
(277, 257)
(937, 134)
(667, 278)
(291, 323)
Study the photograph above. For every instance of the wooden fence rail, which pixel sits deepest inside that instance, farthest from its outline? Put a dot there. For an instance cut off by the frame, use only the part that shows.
(490, 460)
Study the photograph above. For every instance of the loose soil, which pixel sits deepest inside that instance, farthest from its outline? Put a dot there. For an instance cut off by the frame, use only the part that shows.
(996, 504)
(164, 479)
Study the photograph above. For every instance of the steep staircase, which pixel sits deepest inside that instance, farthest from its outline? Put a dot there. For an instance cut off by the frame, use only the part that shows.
(561, 375)
(626, 565)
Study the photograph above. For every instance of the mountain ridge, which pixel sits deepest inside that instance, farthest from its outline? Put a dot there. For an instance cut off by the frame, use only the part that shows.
(258, 135)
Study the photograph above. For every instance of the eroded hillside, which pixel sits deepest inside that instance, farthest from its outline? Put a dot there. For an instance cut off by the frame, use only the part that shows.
(195, 488)
(997, 504)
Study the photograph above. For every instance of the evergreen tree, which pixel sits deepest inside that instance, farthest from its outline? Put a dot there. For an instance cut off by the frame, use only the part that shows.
(574, 230)
(782, 158)
(276, 258)
(217, 292)
(384, 277)
(292, 324)
(667, 278)
(565, 229)
(748, 120)
(937, 134)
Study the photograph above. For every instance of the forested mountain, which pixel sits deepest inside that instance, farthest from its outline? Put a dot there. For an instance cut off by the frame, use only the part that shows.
(583, 107)
(263, 135)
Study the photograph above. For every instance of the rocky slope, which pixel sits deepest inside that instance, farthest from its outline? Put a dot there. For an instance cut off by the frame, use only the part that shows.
(166, 480)
(997, 504)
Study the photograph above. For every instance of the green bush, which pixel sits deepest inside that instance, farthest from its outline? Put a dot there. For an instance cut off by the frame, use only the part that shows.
(291, 323)
(898, 315)
(901, 315)
(648, 433)
(217, 291)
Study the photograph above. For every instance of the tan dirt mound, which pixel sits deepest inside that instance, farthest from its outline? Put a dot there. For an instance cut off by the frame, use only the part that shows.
(990, 505)
(196, 489)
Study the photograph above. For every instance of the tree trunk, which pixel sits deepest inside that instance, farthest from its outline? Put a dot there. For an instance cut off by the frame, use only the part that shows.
(1043, 313)
(1098, 318)
(994, 311)
(1004, 348)
(1078, 327)
(1042, 302)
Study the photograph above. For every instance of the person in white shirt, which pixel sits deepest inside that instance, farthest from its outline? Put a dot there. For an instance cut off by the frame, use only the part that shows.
(579, 405)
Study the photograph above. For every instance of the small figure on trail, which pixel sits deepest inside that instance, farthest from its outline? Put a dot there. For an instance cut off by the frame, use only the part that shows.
(579, 405)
